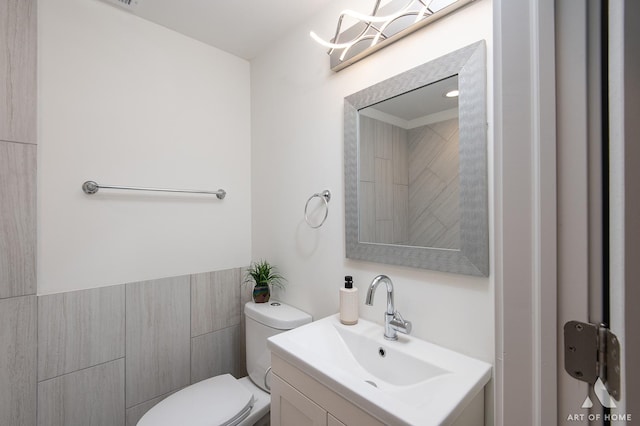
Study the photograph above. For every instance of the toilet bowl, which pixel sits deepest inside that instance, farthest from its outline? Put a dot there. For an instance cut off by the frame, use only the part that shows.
(224, 400)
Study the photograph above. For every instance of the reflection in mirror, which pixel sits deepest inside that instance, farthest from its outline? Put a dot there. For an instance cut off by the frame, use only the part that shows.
(416, 167)
(409, 168)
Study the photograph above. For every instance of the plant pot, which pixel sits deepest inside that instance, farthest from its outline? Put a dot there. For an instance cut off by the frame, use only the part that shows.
(261, 294)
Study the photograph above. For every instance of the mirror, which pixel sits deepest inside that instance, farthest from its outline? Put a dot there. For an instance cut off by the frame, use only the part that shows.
(408, 176)
(416, 167)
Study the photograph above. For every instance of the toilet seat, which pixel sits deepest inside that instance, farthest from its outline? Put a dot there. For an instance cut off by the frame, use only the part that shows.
(220, 400)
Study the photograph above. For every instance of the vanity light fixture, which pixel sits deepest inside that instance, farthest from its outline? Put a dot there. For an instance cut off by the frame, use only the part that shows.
(452, 93)
(383, 26)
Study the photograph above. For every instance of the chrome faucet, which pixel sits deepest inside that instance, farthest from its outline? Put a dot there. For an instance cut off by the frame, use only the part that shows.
(393, 321)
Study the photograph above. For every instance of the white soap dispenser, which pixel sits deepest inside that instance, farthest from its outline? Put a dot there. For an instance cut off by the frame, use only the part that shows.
(348, 302)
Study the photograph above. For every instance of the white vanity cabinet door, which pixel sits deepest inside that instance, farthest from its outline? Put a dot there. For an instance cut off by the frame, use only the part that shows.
(291, 408)
(338, 411)
(332, 421)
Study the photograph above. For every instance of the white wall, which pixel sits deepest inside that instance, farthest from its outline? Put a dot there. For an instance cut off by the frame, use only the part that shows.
(297, 150)
(124, 101)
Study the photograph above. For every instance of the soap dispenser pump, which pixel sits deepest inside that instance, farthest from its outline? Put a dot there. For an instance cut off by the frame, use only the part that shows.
(348, 302)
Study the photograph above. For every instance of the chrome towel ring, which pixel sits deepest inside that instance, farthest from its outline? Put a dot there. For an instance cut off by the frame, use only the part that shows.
(324, 196)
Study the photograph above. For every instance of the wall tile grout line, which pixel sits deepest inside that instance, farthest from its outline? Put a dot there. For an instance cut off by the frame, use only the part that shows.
(220, 329)
(124, 382)
(37, 355)
(19, 295)
(191, 328)
(164, 395)
(20, 142)
(80, 369)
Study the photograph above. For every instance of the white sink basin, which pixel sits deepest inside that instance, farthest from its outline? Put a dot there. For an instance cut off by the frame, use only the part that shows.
(380, 361)
(408, 381)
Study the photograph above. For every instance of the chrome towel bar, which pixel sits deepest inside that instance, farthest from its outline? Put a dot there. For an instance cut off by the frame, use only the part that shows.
(91, 187)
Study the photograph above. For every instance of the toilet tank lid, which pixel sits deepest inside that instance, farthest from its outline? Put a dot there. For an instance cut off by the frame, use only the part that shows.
(276, 314)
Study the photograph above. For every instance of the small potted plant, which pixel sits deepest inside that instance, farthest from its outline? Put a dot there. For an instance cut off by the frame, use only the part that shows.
(264, 275)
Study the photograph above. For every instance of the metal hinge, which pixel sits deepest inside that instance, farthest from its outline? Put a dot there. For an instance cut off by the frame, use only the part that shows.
(591, 352)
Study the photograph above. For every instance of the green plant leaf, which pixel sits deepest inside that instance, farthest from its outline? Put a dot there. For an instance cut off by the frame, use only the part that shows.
(263, 274)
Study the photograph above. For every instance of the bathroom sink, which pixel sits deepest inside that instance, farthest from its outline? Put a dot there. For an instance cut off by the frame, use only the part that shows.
(387, 364)
(408, 381)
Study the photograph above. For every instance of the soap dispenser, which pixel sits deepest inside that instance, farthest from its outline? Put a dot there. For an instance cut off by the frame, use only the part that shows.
(348, 302)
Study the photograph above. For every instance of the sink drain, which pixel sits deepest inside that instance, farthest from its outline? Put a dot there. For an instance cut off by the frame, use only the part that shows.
(371, 383)
(382, 352)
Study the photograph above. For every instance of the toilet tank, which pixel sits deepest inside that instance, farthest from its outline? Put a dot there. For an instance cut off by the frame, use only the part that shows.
(263, 320)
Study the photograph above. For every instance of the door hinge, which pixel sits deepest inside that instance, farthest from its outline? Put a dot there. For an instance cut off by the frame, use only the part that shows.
(591, 352)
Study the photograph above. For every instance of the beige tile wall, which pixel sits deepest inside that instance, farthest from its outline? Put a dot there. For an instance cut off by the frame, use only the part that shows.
(383, 182)
(434, 213)
(18, 71)
(409, 184)
(177, 331)
(18, 153)
(92, 396)
(17, 219)
(158, 337)
(18, 363)
(80, 329)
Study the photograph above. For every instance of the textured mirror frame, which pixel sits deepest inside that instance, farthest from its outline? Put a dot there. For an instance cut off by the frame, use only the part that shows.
(473, 256)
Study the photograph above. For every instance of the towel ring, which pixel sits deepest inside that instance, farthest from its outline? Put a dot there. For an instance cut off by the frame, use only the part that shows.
(326, 197)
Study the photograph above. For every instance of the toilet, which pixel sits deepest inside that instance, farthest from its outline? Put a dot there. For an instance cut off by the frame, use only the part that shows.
(224, 400)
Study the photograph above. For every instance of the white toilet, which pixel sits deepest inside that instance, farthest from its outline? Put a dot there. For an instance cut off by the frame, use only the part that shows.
(224, 400)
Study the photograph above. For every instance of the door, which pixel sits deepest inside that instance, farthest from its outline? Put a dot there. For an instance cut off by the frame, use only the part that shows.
(580, 141)
(624, 199)
(598, 45)
(550, 244)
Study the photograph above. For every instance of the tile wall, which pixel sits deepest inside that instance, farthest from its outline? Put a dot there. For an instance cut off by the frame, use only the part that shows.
(409, 184)
(384, 191)
(107, 355)
(434, 206)
(18, 153)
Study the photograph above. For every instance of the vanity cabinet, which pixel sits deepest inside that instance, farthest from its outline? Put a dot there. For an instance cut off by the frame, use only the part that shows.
(290, 407)
(297, 399)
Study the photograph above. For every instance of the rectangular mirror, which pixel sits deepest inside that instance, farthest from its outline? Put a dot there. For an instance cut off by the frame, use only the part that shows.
(416, 167)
